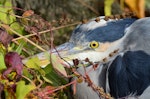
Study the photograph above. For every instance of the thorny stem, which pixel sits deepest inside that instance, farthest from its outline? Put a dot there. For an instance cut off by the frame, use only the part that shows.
(87, 79)
(99, 90)
(61, 87)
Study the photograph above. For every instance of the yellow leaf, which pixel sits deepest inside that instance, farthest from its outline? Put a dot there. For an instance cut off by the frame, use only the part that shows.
(107, 7)
(137, 6)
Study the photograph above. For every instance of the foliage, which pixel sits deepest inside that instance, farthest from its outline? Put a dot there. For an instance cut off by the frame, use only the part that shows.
(36, 77)
(108, 4)
(28, 80)
(23, 89)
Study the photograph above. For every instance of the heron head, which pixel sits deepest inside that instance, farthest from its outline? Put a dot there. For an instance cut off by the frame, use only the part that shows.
(97, 41)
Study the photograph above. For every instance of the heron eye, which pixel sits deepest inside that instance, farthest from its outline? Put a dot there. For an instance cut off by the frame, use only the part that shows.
(94, 44)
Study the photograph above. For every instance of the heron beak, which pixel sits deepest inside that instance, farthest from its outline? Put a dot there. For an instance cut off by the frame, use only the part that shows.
(58, 52)
(107, 51)
(67, 52)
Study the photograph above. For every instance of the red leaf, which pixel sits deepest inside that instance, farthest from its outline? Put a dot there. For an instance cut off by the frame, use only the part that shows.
(14, 63)
(5, 38)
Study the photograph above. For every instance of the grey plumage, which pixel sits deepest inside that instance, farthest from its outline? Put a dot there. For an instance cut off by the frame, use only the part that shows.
(126, 74)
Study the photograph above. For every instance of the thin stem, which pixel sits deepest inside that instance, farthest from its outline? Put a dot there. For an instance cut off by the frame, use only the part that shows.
(61, 87)
(28, 80)
(8, 28)
(42, 32)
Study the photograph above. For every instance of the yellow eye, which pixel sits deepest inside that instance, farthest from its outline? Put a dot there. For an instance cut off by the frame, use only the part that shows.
(94, 44)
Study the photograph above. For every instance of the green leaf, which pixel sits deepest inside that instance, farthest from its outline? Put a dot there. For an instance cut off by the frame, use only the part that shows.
(20, 47)
(48, 69)
(42, 60)
(7, 16)
(47, 80)
(17, 27)
(52, 76)
(2, 49)
(22, 90)
(5, 10)
(27, 74)
(34, 62)
(2, 62)
(57, 65)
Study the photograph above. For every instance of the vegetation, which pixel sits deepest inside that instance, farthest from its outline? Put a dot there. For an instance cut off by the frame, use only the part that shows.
(24, 35)
(21, 37)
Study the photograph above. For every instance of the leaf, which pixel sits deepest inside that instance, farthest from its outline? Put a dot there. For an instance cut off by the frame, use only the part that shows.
(13, 63)
(47, 80)
(57, 65)
(107, 7)
(22, 90)
(7, 16)
(17, 27)
(25, 15)
(2, 49)
(20, 47)
(137, 6)
(48, 68)
(2, 63)
(34, 62)
(52, 76)
(41, 60)
(5, 10)
(5, 38)
(28, 13)
(27, 74)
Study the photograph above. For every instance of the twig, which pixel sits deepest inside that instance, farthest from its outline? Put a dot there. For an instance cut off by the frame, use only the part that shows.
(61, 87)
(23, 48)
(8, 28)
(42, 32)
(91, 8)
(99, 90)
(28, 80)
(17, 16)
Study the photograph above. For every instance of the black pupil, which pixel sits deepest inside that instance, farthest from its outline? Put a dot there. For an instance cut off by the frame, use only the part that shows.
(94, 44)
